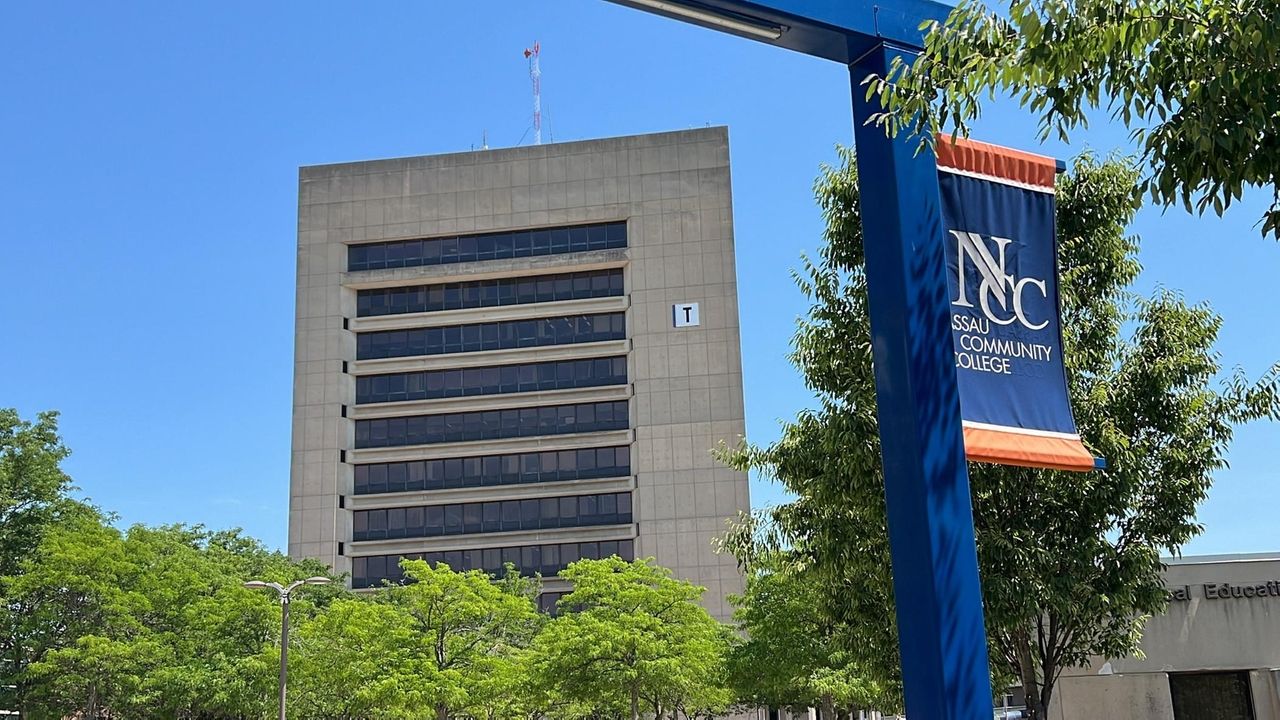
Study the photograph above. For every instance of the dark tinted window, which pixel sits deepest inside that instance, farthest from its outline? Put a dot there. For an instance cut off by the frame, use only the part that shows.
(470, 518)
(563, 330)
(548, 602)
(491, 424)
(489, 293)
(546, 560)
(489, 246)
(528, 377)
(516, 469)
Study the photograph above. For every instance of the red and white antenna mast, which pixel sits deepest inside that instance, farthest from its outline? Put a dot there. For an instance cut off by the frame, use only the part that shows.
(535, 74)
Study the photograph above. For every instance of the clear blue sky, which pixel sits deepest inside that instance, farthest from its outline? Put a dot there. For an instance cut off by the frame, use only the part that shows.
(148, 181)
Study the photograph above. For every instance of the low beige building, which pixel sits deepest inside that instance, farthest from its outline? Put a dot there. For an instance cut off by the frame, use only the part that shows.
(522, 355)
(1215, 655)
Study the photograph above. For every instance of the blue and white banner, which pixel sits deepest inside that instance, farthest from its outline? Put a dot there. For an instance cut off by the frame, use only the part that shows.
(998, 215)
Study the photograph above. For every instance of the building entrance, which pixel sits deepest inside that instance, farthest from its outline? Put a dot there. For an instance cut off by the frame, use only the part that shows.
(1211, 696)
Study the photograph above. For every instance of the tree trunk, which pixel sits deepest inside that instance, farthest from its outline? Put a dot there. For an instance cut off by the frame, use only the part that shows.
(828, 707)
(1046, 694)
(442, 711)
(1030, 687)
(635, 703)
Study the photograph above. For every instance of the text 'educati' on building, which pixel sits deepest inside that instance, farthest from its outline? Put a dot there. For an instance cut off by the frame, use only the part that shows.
(1213, 654)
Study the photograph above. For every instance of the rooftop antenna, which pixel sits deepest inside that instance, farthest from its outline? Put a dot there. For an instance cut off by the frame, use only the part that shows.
(535, 74)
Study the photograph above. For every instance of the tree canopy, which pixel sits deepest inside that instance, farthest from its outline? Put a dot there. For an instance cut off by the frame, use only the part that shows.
(465, 629)
(104, 623)
(1070, 562)
(148, 622)
(33, 487)
(791, 655)
(1194, 80)
(631, 639)
(354, 661)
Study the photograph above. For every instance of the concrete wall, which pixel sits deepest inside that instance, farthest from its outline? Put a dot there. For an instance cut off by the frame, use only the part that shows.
(1266, 693)
(1112, 697)
(1213, 634)
(673, 189)
(688, 381)
(1198, 633)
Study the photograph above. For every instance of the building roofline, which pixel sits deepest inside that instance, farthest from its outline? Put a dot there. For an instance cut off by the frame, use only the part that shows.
(500, 154)
(1224, 558)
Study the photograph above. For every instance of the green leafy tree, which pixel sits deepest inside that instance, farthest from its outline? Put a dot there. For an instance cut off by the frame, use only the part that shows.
(68, 590)
(1070, 562)
(149, 622)
(635, 636)
(353, 661)
(1194, 80)
(508, 690)
(33, 487)
(466, 627)
(100, 677)
(793, 654)
(33, 497)
(223, 636)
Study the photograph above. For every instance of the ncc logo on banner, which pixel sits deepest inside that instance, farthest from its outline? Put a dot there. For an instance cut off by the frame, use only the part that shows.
(1002, 277)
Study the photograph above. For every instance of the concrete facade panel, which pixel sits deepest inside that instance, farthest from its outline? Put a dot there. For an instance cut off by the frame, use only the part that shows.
(1140, 697)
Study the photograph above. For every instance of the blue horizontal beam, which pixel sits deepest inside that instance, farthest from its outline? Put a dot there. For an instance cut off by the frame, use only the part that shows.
(839, 30)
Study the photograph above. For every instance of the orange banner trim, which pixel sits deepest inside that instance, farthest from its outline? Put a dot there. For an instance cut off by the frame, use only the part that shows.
(995, 161)
(1011, 448)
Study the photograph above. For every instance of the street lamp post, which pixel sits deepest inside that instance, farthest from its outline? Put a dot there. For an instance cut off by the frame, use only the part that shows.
(283, 592)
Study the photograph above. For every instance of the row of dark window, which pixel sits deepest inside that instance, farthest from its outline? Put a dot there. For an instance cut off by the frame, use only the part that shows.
(492, 424)
(489, 293)
(491, 380)
(548, 602)
(539, 332)
(492, 516)
(487, 246)
(489, 470)
(547, 560)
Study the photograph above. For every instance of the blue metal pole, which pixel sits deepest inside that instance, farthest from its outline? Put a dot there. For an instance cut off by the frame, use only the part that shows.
(935, 564)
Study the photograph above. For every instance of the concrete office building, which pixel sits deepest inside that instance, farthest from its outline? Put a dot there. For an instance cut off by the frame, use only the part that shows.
(520, 355)
(1214, 655)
